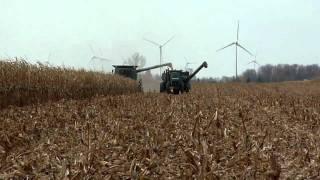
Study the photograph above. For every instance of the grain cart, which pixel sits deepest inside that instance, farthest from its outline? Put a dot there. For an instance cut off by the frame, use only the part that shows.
(178, 81)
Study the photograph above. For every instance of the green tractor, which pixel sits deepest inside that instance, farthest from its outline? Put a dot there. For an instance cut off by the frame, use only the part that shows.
(178, 81)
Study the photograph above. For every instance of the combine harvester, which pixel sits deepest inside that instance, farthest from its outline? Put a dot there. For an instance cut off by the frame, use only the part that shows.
(131, 71)
(178, 81)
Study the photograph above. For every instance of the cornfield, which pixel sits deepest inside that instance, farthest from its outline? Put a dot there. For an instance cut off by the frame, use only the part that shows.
(22, 83)
(217, 131)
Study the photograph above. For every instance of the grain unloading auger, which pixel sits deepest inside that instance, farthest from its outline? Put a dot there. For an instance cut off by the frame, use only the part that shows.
(178, 81)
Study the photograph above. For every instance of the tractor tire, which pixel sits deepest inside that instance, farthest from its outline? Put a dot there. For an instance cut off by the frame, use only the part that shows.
(188, 87)
(182, 87)
(167, 88)
(176, 91)
(162, 87)
(140, 85)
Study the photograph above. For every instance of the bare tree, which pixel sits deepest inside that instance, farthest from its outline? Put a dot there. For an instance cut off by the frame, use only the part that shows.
(136, 59)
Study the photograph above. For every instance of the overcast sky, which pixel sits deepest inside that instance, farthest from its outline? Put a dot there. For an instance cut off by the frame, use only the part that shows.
(62, 31)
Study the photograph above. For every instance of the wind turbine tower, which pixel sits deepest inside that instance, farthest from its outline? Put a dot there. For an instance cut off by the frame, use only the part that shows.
(237, 44)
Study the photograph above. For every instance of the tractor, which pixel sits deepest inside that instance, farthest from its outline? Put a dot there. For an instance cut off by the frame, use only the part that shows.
(178, 81)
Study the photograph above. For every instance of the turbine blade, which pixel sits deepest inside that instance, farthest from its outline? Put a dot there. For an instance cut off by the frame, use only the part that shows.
(105, 59)
(244, 49)
(168, 41)
(226, 46)
(91, 48)
(238, 32)
(100, 58)
(250, 62)
(152, 42)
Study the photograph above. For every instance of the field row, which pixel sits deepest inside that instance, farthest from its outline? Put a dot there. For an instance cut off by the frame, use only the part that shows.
(216, 131)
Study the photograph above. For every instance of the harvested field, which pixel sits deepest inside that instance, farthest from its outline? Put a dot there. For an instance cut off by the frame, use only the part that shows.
(218, 131)
(22, 83)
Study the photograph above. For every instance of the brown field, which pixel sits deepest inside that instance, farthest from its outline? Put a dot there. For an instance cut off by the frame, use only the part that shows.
(22, 83)
(217, 131)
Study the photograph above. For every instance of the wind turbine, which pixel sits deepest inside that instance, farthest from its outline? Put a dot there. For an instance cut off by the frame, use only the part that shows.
(254, 62)
(237, 44)
(99, 58)
(160, 47)
(187, 63)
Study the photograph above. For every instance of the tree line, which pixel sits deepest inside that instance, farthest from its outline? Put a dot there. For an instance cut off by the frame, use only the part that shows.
(274, 73)
(282, 72)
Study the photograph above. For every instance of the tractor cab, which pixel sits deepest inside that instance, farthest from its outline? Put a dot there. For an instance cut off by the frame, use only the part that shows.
(175, 75)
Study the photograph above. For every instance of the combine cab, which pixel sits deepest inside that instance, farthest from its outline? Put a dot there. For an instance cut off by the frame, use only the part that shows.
(178, 81)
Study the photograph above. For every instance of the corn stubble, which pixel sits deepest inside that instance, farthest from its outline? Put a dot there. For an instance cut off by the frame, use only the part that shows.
(22, 83)
(221, 131)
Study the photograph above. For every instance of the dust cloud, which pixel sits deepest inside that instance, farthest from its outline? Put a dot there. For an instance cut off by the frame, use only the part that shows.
(151, 85)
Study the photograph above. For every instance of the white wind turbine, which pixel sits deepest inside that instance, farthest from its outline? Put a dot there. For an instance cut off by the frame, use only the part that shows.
(254, 62)
(100, 59)
(237, 44)
(160, 47)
